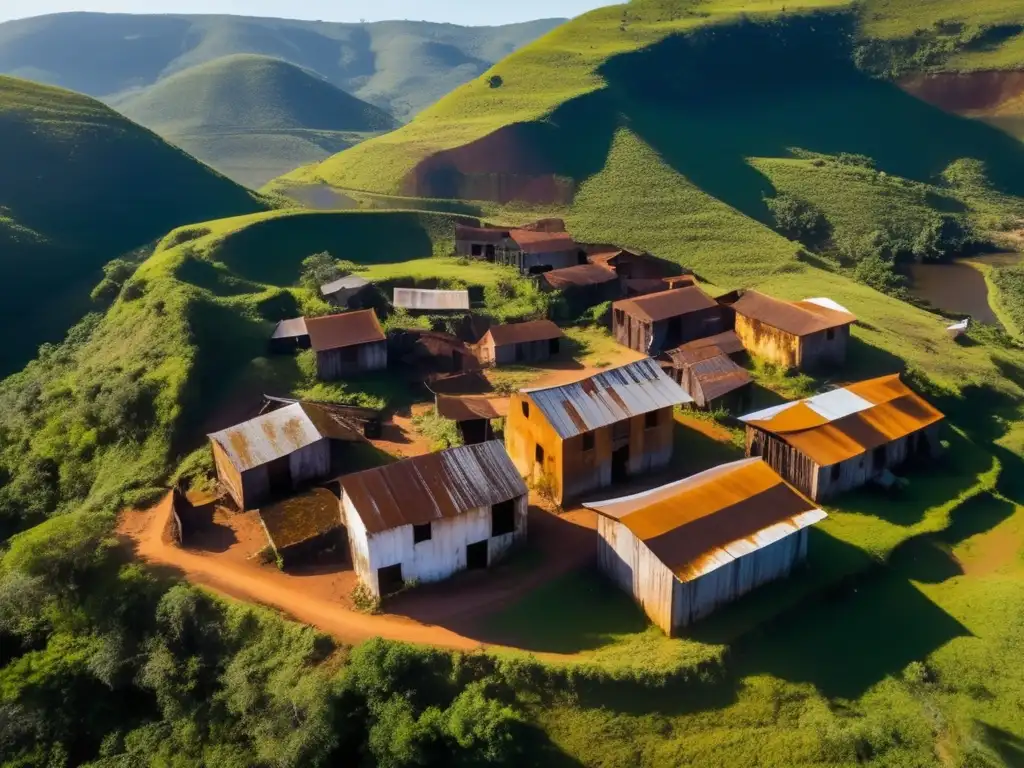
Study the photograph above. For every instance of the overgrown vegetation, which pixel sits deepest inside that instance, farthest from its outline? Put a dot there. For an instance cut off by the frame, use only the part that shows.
(441, 432)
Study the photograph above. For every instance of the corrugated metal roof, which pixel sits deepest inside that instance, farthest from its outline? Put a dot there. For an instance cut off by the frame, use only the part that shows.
(351, 282)
(665, 304)
(529, 241)
(481, 234)
(727, 343)
(345, 330)
(276, 434)
(301, 518)
(717, 375)
(580, 275)
(423, 298)
(708, 520)
(522, 333)
(608, 397)
(434, 486)
(290, 329)
(798, 319)
(471, 407)
(848, 422)
(827, 303)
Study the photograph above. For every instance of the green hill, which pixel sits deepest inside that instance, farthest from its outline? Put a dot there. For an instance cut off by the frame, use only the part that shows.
(399, 66)
(253, 117)
(80, 186)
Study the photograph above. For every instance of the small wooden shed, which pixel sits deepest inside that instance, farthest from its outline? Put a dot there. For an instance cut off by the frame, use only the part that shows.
(687, 548)
(596, 432)
(304, 526)
(807, 335)
(277, 453)
(480, 242)
(658, 321)
(289, 335)
(347, 344)
(473, 413)
(347, 292)
(425, 518)
(533, 252)
(530, 342)
(840, 440)
(710, 377)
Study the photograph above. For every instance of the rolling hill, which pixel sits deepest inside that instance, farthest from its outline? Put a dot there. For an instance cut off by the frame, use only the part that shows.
(81, 185)
(399, 66)
(253, 117)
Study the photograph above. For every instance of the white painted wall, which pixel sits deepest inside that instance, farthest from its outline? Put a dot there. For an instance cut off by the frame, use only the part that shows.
(632, 565)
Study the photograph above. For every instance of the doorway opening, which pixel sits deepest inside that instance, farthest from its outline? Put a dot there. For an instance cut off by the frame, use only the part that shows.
(476, 555)
(620, 464)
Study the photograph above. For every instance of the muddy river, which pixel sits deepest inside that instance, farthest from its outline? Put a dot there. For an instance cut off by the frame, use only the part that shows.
(958, 287)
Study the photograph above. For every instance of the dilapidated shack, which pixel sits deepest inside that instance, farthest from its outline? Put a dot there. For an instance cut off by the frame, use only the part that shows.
(425, 518)
(840, 440)
(349, 292)
(289, 335)
(531, 342)
(533, 252)
(807, 335)
(304, 526)
(710, 377)
(653, 323)
(277, 453)
(687, 548)
(475, 414)
(592, 433)
(347, 344)
(480, 242)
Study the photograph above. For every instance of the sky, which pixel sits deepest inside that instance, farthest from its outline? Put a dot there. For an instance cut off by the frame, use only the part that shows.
(470, 12)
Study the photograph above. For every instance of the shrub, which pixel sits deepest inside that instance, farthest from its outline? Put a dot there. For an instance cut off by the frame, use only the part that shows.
(442, 433)
(858, 161)
(495, 81)
(798, 219)
(966, 173)
(364, 600)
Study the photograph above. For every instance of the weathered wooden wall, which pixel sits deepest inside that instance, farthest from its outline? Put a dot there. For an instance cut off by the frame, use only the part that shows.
(634, 568)
(696, 599)
(794, 467)
(819, 351)
(523, 433)
(770, 343)
(685, 328)
(441, 556)
(631, 331)
(527, 352)
(525, 262)
(334, 364)
(487, 250)
(229, 477)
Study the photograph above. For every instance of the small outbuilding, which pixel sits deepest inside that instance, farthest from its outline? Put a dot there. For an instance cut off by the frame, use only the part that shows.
(658, 321)
(277, 453)
(290, 335)
(433, 351)
(303, 526)
(473, 413)
(425, 300)
(687, 548)
(710, 377)
(346, 292)
(596, 432)
(480, 242)
(425, 518)
(347, 344)
(840, 440)
(807, 335)
(533, 252)
(530, 342)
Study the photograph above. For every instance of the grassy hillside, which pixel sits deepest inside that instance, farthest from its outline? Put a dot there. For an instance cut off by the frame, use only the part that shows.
(253, 117)
(80, 186)
(399, 66)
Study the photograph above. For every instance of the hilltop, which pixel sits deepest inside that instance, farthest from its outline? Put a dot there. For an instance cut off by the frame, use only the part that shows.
(82, 185)
(253, 117)
(399, 66)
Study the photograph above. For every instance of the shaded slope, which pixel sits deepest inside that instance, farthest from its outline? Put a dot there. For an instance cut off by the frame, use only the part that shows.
(400, 66)
(81, 185)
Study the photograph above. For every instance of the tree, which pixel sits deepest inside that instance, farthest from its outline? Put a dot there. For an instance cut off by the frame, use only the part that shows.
(319, 269)
(495, 81)
(966, 173)
(798, 219)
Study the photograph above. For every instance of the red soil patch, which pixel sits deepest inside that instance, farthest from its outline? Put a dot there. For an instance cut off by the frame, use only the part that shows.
(968, 93)
(400, 438)
(991, 551)
(709, 429)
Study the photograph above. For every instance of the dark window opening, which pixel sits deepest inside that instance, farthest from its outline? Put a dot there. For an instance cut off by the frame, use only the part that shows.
(620, 430)
(553, 346)
(503, 518)
(390, 580)
(349, 354)
(476, 555)
(520, 353)
(526, 409)
(880, 457)
(836, 472)
(581, 257)
(830, 334)
(588, 441)
(476, 249)
(651, 420)
(538, 454)
(620, 465)
(279, 476)
(421, 533)
(490, 253)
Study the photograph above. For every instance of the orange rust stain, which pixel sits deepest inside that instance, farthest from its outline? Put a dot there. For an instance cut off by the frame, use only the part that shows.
(293, 432)
(240, 447)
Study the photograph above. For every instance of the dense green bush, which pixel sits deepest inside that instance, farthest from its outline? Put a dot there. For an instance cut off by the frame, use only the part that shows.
(798, 219)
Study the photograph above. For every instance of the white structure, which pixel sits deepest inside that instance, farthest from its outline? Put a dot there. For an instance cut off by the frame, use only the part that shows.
(425, 518)
(686, 548)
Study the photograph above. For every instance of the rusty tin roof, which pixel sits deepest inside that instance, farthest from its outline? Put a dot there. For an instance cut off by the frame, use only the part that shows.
(706, 521)
(608, 397)
(277, 434)
(481, 234)
(529, 241)
(578, 276)
(434, 486)
(301, 517)
(665, 304)
(799, 318)
(345, 330)
(523, 333)
(347, 283)
(471, 407)
(426, 299)
(728, 342)
(848, 422)
(291, 329)
(716, 374)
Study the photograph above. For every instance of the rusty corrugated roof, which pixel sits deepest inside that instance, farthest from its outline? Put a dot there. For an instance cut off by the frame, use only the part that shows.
(345, 330)
(709, 520)
(471, 407)
(608, 397)
(529, 241)
(665, 304)
(481, 234)
(301, 518)
(797, 318)
(848, 422)
(426, 299)
(579, 275)
(434, 486)
(727, 342)
(716, 374)
(522, 333)
(277, 434)
(290, 329)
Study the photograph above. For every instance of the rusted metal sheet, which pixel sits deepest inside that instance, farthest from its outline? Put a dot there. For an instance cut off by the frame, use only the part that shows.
(578, 276)
(655, 307)
(431, 300)
(522, 333)
(796, 318)
(291, 329)
(716, 376)
(349, 283)
(608, 397)
(301, 518)
(347, 329)
(434, 486)
(542, 242)
(466, 233)
(471, 407)
(727, 342)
